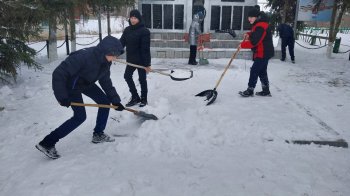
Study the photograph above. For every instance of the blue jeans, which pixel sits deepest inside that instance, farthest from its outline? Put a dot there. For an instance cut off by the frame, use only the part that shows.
(79, 115)
(259, 70)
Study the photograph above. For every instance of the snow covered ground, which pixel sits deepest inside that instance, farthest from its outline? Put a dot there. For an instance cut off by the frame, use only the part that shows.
(235, 146)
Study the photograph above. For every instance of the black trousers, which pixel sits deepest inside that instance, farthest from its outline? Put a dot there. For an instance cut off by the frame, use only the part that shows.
(259, 70)
(193, 54)
(129, 71)
(290, 43)
(79, 115)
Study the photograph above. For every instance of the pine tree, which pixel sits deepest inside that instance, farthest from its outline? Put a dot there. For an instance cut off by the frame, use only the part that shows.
(19, 21)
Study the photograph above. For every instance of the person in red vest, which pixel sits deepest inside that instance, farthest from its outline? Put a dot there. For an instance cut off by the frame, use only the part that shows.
(259, 40)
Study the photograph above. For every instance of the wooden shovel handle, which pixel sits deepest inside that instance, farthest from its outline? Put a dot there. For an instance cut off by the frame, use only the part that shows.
(141, 67)
(101, 106)
(229, 64)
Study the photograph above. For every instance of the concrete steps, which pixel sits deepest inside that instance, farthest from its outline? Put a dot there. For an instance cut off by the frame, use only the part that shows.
(221, 45)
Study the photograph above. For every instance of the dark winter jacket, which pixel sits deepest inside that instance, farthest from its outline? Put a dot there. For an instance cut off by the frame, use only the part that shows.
(285, 31)
(86, 66)
(137, 40)
(260, 38)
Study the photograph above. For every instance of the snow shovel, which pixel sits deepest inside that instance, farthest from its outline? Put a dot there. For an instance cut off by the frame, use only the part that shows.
(177, 76)
(137, 113)
(212, 94)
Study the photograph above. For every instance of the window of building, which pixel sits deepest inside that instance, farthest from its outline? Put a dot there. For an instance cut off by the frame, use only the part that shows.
(215, 17)
(163, 16)
(179, 16)
(146, 15)
(226, 17)
(157, 16)
(237, 17)
(246, 24)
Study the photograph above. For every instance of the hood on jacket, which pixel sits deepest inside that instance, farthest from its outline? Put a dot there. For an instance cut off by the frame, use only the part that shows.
(136, 14)
(110, 46)
(199, 17)
(263, 17)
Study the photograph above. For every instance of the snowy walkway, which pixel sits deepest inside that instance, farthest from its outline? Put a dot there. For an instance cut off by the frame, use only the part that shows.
(235, 146)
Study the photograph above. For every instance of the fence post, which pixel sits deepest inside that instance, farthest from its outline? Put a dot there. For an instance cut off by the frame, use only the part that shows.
(313, 40)
(336, 45)
(67, 44)
(47, 48)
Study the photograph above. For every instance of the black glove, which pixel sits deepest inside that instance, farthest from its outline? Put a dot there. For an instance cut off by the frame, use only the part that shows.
(120, 106)
(65, 102)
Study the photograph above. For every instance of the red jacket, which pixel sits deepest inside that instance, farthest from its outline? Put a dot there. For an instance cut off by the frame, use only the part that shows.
(260, 40)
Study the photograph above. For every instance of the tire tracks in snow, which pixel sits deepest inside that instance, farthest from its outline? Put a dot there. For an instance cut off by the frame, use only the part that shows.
(307, 111)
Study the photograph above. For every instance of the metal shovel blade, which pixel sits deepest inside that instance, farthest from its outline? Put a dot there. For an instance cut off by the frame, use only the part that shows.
(185, 75)
(209, 94)
(145, 115)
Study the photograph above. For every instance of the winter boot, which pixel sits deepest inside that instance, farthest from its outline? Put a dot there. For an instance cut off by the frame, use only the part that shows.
(192, 62)
(143, 102)
(133, 101)
(101, 137)
(51, 152)
(265, 92)
(247, 93)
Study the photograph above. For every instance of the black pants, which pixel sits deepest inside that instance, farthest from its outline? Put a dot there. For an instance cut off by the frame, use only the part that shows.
(259, 70)
(290, 43)
(129, 71)
(79, 115)
(193, 54)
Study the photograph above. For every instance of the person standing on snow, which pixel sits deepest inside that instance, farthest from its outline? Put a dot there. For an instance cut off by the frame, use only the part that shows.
(194, 32)
(137, 40)
(286, 33)
(259, 40)
(76, 75)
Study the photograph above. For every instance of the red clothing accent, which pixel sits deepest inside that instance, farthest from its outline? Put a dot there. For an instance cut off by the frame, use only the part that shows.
(256, 39)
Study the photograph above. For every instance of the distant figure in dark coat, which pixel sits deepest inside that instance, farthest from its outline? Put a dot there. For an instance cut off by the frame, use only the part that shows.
(77, 75)
(137, 40)
(287, 35)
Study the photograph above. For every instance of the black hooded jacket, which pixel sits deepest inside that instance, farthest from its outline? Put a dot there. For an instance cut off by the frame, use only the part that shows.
(84, 67)
(137, 40)
(285, 31)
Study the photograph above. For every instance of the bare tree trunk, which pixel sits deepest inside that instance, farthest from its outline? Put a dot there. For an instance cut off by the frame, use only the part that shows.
(66, 36)
(108, 21)
(72, 30)
(332, 33)
(285, 8)
(99, 24)
(52, 39)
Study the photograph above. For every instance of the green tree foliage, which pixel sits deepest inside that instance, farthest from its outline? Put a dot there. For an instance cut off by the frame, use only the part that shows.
(19, 21)
(282, 11)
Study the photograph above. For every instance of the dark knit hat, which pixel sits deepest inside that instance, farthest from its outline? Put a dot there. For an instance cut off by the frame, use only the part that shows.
(136, 14)
(257, 7)
(253, 12)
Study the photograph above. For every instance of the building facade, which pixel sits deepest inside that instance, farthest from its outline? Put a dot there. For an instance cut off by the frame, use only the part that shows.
(176, 15)
(169, 20)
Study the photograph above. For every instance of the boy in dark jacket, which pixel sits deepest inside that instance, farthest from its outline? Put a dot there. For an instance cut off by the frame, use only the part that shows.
(136, 38)
(77, 75)
(259, 39)
(286, 33)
